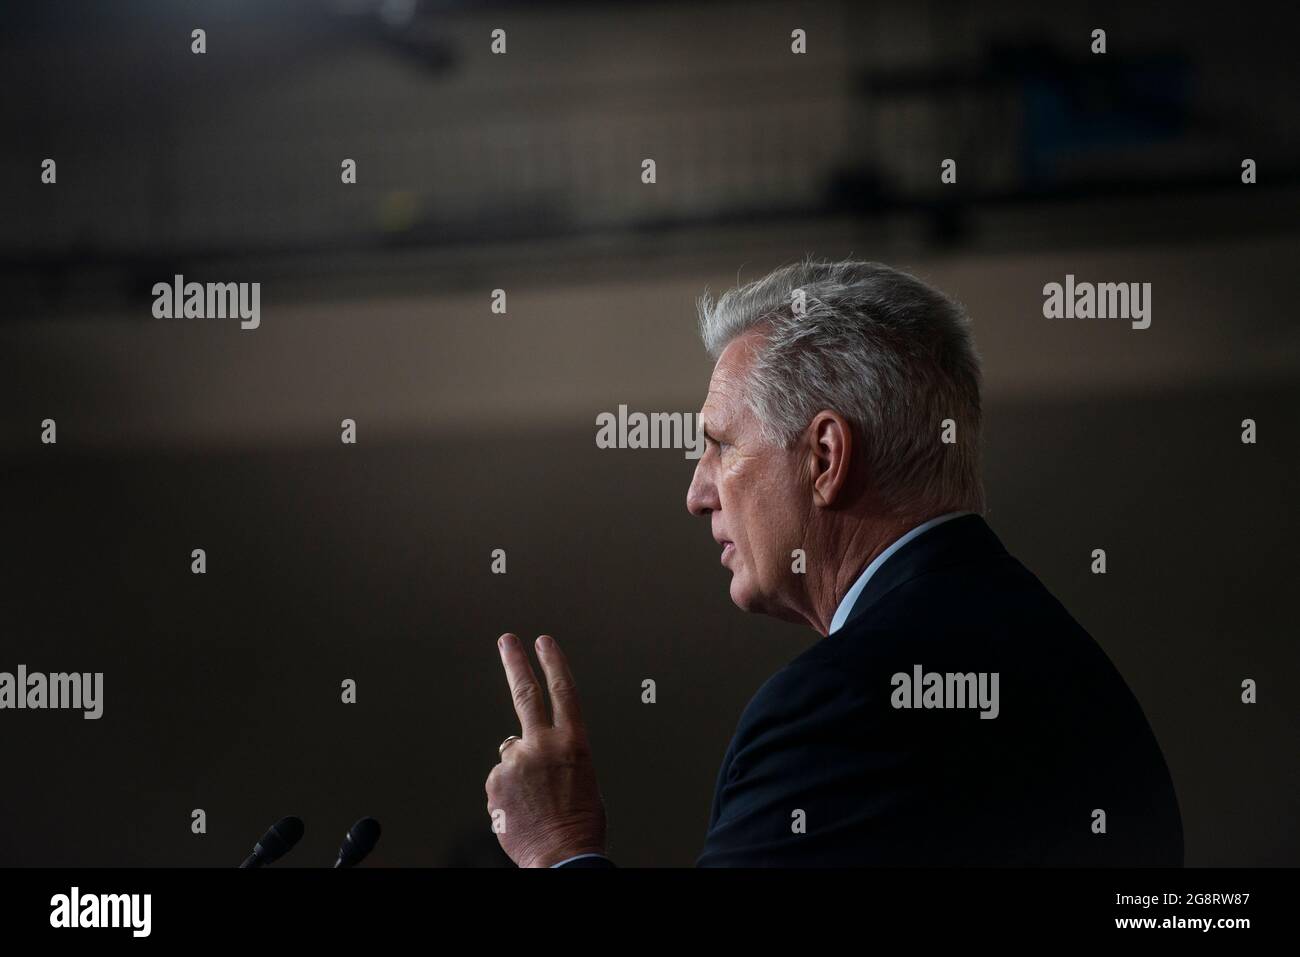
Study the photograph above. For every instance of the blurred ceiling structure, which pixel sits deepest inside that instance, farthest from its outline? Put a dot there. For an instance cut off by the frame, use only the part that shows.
(169, 161)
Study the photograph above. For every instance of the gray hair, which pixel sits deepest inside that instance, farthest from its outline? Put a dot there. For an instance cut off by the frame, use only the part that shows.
(891, 354)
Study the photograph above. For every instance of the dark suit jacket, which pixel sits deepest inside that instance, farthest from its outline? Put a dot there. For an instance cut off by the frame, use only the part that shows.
(883, 785)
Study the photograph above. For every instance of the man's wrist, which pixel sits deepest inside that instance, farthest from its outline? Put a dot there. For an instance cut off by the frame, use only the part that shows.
(586, 856)
(555, 858)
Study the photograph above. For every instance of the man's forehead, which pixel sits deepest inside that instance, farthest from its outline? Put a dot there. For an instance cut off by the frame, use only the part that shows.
(726, 385)
(723, 393)
(715, 414)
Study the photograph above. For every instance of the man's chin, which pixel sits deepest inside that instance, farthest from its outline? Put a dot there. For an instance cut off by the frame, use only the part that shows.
(742, 596)
(755, 602)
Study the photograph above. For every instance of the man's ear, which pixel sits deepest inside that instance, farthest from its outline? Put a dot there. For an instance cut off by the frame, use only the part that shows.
(830, 446)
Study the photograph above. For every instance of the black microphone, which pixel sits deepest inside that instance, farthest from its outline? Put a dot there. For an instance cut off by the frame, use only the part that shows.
(358, 842)
(276, 842)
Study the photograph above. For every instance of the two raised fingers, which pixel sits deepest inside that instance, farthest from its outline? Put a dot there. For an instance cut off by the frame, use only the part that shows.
(527, 693)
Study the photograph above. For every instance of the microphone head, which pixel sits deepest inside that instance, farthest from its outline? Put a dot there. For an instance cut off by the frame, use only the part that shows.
(280, 839)
(358, 842)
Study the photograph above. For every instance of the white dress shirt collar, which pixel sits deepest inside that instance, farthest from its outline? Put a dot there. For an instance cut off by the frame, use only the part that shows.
(850, 599)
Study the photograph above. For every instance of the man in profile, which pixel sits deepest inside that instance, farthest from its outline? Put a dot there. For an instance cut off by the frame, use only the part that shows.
(953, 713)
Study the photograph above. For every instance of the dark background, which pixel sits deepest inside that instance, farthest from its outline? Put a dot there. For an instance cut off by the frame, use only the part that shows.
(476, 431)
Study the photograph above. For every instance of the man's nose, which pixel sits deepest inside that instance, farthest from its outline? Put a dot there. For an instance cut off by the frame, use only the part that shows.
(701, 496)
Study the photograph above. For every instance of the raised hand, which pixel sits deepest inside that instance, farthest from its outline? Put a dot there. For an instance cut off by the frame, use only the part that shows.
(543, 797)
